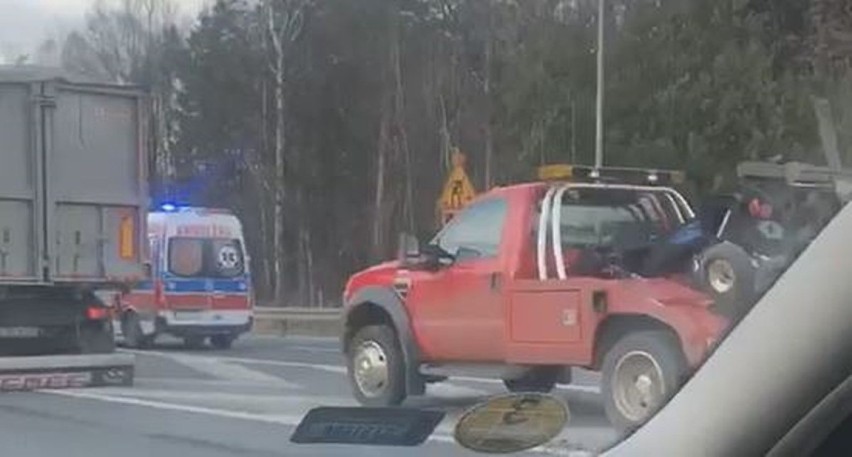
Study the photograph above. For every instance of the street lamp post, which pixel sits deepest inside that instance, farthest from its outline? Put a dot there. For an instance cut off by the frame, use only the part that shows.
(600, 95)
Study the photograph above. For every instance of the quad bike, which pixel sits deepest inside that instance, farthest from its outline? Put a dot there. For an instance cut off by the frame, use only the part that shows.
(760, 229)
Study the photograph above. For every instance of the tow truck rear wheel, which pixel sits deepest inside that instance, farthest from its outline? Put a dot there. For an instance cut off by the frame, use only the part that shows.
(539, 379)
(375, 367)
(641, 371)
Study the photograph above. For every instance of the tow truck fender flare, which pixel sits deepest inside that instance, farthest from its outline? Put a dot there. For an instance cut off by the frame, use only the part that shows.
(390, 302)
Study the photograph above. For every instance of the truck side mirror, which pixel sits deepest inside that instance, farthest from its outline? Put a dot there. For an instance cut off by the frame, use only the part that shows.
(414, 257)
(409, 248)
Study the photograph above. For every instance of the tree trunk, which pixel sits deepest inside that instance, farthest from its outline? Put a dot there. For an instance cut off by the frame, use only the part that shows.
(400, 133)
(378, 199)
(489, 137)
(278, 222)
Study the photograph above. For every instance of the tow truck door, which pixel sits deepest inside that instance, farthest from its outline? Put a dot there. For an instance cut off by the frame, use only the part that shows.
(459, 309)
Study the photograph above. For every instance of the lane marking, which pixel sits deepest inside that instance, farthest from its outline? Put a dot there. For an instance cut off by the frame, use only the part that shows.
(569, 387)
(313, 349)
(278, 419)
(277, 363)
(229, 371)
(450, 390)
(589, 389)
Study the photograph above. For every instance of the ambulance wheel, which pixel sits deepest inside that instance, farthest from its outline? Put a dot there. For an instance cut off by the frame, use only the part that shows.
(134, 337)
(222, 341)
(193, 342)
(375, 367)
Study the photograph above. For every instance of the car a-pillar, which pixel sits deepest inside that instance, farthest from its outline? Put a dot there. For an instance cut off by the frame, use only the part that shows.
(642, 365)
(382, 357)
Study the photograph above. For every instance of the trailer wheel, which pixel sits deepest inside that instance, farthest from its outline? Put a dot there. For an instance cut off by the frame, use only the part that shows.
(96, 338)
(375, 367)
(539, 379)
(641, 372)
(134, 337)
(222, 341)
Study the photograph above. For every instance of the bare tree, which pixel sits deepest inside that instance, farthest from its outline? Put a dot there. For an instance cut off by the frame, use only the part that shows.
(284, 24)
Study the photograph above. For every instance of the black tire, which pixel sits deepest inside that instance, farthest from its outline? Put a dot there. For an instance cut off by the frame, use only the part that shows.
(134, 337)
(392, 391)
(222, 341)
(96, 338)
(193, 342)
(539, 379)
(735, 299)
(655, 347)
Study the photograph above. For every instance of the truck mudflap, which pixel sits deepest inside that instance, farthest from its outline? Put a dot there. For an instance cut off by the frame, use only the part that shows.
(65, 371)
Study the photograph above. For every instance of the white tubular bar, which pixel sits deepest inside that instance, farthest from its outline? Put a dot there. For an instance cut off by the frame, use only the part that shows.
(683, 205)
(680, 216)
(724, 224)
(556, 232)
(542, 234)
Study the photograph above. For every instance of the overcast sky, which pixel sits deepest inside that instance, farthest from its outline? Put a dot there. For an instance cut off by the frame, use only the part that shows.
(26, 23)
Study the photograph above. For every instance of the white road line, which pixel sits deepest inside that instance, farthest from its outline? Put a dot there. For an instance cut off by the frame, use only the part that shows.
(229, 371)
(450, 390)
(342, 370)
(278, 419)
(145, 381)
(568, 387)
(277, 363)
(313, 349)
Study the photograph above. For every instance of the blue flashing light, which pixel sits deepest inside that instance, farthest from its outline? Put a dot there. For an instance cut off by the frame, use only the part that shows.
(168, 207)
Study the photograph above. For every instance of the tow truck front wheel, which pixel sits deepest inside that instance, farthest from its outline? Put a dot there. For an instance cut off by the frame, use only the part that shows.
(375, 365)
(640, 373)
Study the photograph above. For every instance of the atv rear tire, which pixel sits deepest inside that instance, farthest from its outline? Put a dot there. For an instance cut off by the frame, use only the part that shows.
(728, 273)
(376, 367)
(641, 372)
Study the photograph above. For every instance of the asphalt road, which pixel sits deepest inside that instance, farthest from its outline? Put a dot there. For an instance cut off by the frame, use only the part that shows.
(246, 401)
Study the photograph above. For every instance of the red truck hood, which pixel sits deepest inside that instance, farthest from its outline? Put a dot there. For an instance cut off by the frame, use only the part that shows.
(377, 275)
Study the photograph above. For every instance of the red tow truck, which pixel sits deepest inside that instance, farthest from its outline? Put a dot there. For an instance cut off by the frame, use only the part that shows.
(532, 279)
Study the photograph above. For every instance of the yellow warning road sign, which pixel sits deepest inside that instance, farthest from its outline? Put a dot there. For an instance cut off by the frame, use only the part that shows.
(458, 191)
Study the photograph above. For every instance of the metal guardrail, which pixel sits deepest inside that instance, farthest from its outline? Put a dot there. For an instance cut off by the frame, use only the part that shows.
(290, 313)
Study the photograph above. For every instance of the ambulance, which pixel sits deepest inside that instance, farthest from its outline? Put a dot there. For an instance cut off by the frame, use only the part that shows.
(199, 287)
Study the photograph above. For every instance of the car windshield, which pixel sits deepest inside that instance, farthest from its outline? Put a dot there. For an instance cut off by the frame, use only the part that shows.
(421, 204)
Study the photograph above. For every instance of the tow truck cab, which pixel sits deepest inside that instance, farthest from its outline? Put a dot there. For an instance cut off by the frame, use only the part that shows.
(532, 278)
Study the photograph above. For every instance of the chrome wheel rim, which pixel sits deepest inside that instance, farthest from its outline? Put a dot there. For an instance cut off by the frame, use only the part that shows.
(370, 369)
(638, 385)
(721, 276)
